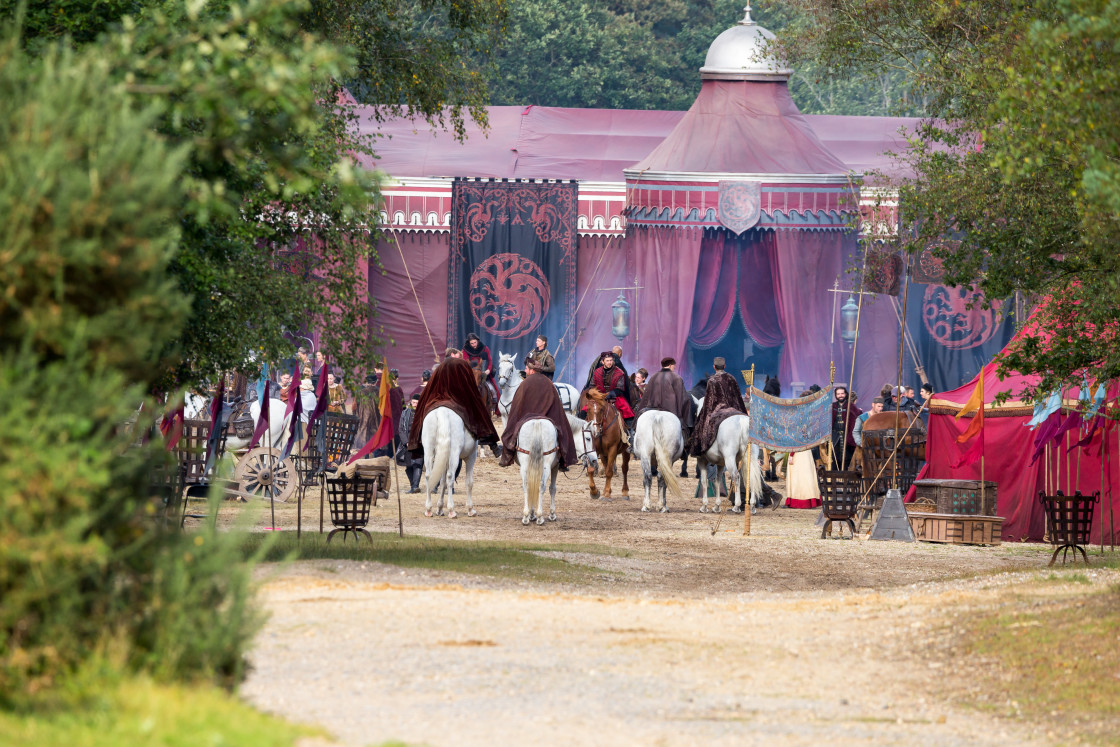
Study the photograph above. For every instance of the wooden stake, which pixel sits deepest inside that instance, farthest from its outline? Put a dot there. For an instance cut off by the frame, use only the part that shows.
(400, 512)
(749, 375)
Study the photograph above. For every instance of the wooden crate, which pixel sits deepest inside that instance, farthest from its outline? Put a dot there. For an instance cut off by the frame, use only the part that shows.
(958, 496)
(956, 529)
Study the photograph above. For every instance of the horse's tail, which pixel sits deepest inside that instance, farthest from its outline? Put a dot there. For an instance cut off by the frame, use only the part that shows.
(536, 465)
(665, 462)
(443, 455)
(750, 458)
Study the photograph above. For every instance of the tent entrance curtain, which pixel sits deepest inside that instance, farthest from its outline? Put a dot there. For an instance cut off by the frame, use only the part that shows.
(735, 274)
(778, 281)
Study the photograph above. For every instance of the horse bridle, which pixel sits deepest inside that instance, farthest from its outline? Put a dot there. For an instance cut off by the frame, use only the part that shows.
(603, 426)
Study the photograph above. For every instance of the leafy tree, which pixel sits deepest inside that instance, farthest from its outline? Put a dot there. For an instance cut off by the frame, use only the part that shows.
(647, 55)
(1019, 166)
(424, 58)
(88, 198)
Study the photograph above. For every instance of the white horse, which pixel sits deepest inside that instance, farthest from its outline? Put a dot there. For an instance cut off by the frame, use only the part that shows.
(729, 454)
(657, 434)
(585, 443)
(195, 406)
(509, 378)
(538, 441)
(446, 442)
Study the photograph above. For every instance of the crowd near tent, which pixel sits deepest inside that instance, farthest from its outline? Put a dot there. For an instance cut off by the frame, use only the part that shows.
(720, 231)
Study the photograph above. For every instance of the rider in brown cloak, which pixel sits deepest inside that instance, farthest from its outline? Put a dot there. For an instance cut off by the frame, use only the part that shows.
(665, 391)
(722, 399)
(536, 397)
(452, 386)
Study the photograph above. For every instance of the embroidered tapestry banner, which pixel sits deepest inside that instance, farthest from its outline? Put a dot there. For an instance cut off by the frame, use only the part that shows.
(790, 425)
(512, 264)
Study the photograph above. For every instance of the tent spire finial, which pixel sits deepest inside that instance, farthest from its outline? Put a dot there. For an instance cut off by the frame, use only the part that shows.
(747, 16)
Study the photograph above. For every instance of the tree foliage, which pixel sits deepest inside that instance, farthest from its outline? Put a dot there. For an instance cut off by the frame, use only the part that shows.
(1017, 166)
(639, 54)
(425, 58)
(88, 198)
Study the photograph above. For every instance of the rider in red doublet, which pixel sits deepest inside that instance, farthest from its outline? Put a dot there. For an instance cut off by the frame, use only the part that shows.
(611, 381)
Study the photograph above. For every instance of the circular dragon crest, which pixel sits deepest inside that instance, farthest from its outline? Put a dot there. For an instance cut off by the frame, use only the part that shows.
(509, 295)
(949, 320)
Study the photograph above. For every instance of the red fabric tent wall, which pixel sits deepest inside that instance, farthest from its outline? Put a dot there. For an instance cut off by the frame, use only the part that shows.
(1009, 445)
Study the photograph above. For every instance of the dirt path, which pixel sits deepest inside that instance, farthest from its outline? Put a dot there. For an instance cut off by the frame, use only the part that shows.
(687, 637)
(373, 653)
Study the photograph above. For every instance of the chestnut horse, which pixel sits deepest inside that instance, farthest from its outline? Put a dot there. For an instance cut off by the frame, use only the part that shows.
(484, 388)
(606, 435)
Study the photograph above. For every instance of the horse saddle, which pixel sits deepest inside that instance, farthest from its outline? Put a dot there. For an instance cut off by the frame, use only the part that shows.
(565, 397)
(242, 421)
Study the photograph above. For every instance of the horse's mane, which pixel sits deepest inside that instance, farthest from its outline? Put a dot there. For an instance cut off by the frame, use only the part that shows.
(596, 395)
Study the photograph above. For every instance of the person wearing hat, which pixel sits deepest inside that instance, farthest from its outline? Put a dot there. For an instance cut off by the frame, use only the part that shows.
(536, 398)
(540, 355)
(612, 381)
(665, 391)
(722, 398)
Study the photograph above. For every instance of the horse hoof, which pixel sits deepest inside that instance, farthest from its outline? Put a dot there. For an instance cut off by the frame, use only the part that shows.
(703, 509)
(736, 510)
(664, 509)
(428, 514)
(552, 517)
(594, 493)
(472, 512)
(753, 510)
(452, 515)
(717, 510)
(525, 520)
(645, 509)
(540, 521)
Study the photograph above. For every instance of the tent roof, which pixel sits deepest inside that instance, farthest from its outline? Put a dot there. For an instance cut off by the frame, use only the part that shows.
(591, 145)
(742, 127)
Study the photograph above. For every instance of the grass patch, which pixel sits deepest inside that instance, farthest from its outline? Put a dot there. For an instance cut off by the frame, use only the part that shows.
(489, 558)
(137, 711)
(1061, 662)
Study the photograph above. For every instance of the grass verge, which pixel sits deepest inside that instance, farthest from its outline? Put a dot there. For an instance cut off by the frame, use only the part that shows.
(137, 711)
(492, 558)
(1058, 659)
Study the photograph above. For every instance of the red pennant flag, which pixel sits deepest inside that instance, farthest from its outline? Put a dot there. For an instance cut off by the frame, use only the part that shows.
(295, 410)
(385, 428)
(976, 428)
(172, 427)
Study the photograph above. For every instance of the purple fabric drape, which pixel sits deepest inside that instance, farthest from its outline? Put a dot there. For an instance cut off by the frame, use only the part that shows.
(661, 258)
(713, 307)
(805, 263)
(757, 293)
(601, 263)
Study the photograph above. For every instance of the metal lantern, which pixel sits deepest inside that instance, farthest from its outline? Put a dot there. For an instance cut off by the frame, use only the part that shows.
(620, 318)
(849, 317)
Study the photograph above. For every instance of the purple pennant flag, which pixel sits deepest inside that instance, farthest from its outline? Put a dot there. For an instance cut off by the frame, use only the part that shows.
(321, 398)
(295, 409)
(215, 424)
(263, 424)
(1095, 423)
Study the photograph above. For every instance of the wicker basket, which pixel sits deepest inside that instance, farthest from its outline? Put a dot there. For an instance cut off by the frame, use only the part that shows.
(921, 506)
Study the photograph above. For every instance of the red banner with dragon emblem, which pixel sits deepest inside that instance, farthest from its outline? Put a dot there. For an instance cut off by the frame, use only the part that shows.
(512, 264)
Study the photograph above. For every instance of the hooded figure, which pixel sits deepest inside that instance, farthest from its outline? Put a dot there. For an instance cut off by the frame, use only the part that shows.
(722, 399)
(537, 398)
(452, 386)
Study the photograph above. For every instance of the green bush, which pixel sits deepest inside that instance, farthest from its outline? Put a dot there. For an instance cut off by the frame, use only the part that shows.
(88, 200)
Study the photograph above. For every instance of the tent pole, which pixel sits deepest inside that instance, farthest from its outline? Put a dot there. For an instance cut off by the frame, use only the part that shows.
(1111, 517)
(1104, 447)
(898, 396)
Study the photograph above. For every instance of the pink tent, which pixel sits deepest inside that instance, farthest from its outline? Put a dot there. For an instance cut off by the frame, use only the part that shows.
(1008, 449)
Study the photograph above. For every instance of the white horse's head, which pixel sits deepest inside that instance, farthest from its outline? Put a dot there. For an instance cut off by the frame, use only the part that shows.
(506, 369)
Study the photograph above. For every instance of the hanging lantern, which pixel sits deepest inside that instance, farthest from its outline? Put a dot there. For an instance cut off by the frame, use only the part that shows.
(620, 318)
(849, 316)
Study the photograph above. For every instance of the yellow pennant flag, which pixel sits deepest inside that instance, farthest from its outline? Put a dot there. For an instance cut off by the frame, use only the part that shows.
(975, 404)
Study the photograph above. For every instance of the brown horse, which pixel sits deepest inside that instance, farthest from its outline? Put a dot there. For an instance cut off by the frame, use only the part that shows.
(484, 388)
(606, 436)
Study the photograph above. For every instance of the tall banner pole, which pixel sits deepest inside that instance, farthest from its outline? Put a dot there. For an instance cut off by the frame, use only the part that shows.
(898, 397)
(749, 377)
